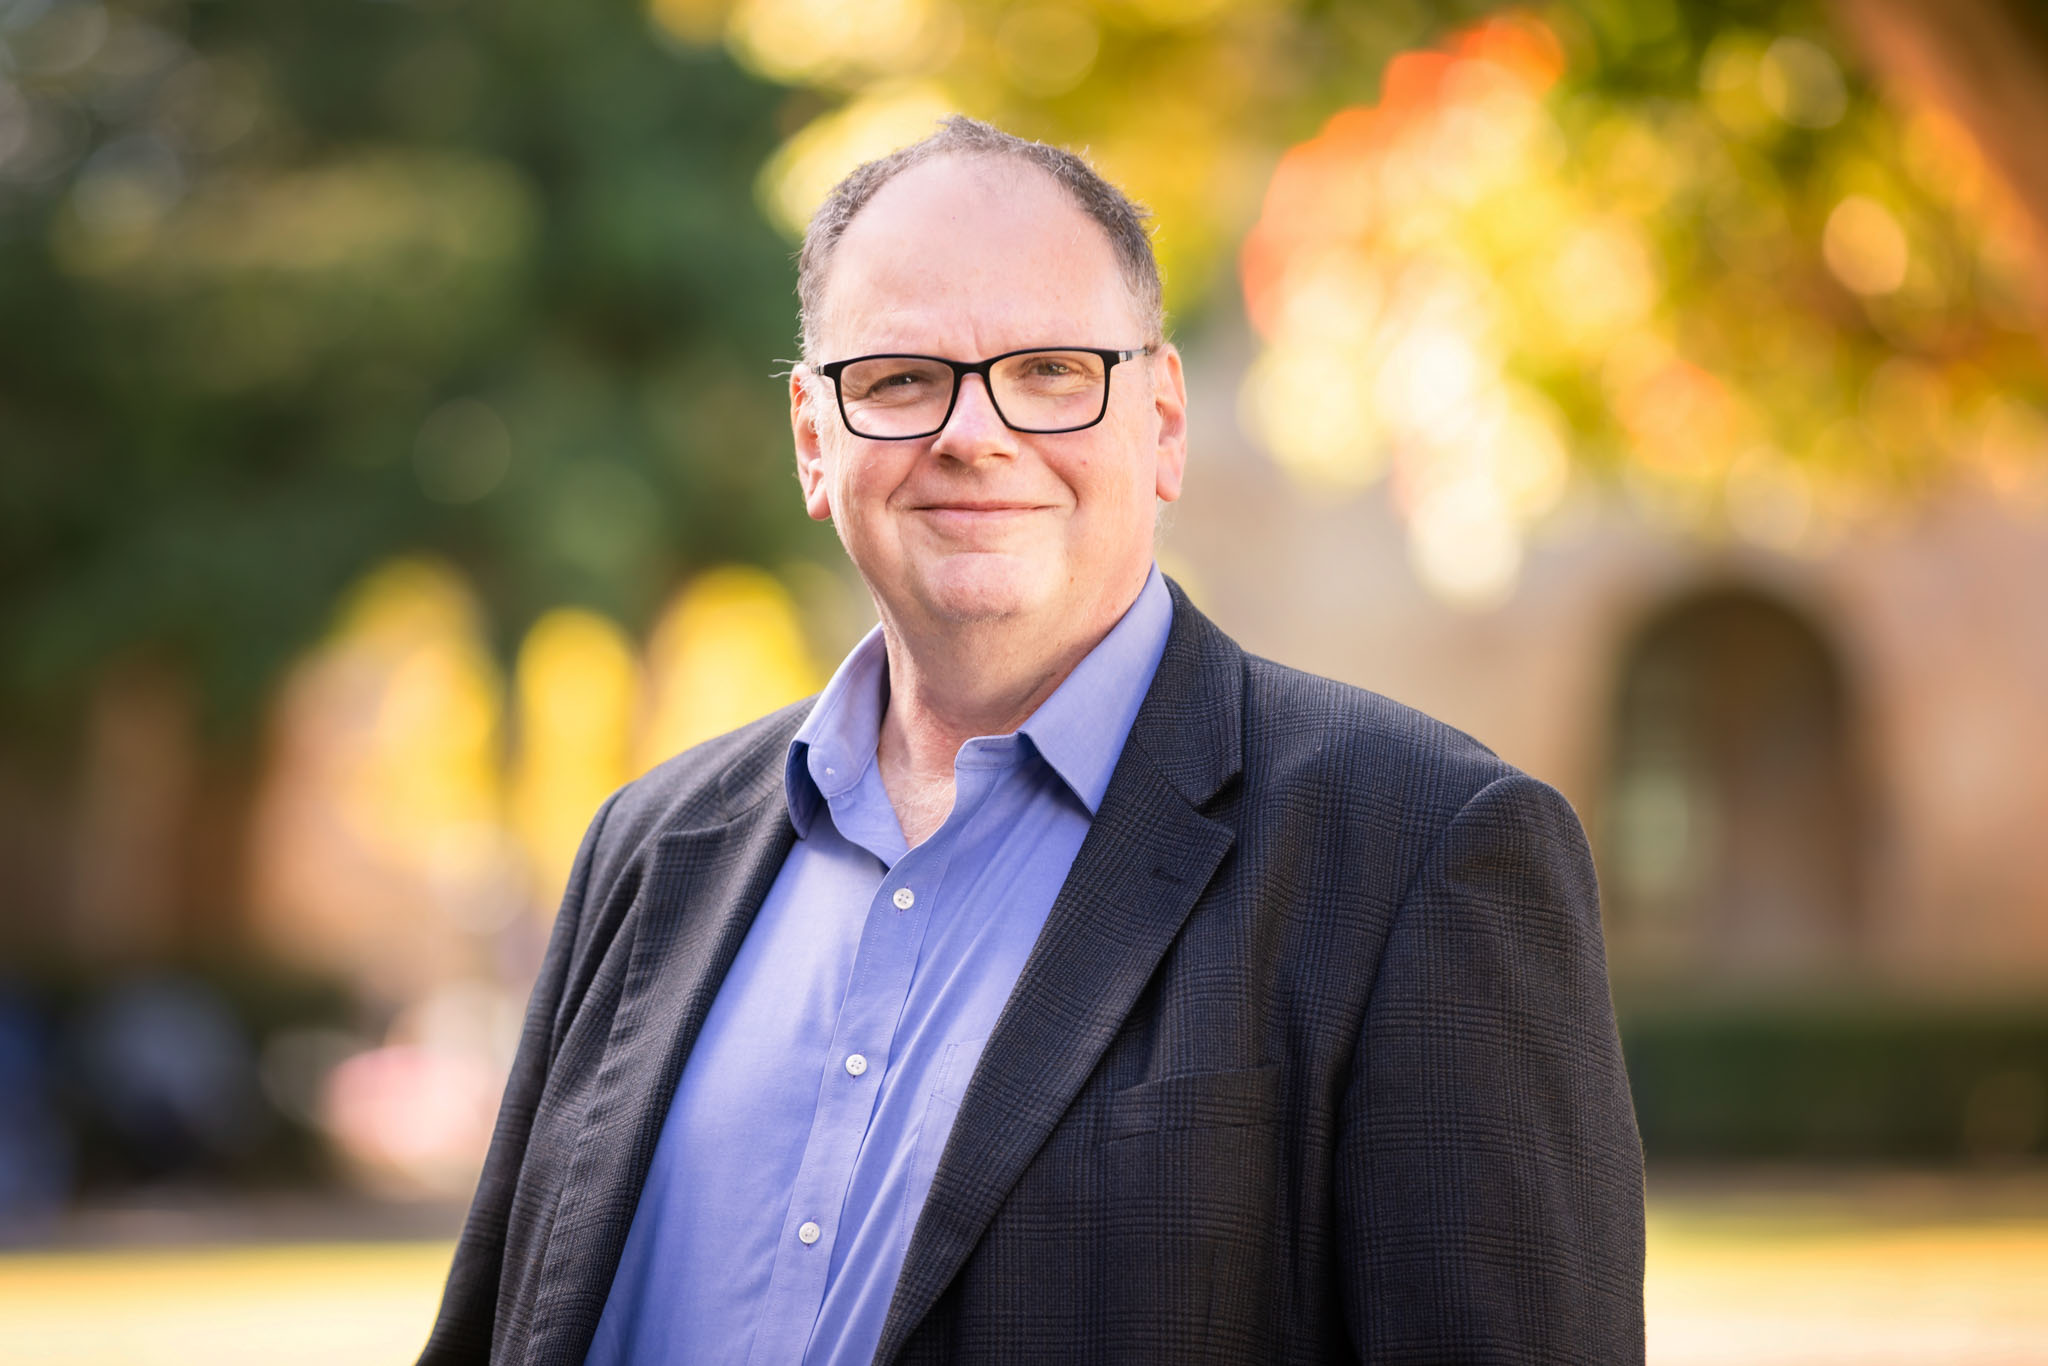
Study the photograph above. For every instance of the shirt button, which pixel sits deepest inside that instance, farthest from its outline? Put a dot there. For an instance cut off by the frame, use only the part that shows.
(807, 1233)
(855, 1064)
(904, 898)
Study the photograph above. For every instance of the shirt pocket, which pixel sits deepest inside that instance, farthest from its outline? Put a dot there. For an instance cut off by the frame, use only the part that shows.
(941, 1108)
(1196, 1100)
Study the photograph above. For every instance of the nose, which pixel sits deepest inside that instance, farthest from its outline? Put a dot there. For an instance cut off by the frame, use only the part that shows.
(974, 430)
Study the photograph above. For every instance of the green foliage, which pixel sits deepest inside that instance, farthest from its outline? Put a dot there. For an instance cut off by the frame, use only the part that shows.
(248, 252)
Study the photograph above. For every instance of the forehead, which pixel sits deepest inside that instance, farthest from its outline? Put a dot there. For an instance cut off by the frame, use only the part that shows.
(983, 253)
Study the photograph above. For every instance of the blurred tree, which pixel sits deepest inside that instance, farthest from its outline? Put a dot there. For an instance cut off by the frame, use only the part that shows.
(1771, 310)
(1979, 59)
(285, 290)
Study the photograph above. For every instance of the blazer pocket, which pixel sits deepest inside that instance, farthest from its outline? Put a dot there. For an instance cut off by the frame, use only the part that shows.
(1196, 1100)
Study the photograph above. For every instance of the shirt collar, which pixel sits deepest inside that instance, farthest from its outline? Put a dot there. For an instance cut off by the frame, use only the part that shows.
(1079, 730)
(834, 746)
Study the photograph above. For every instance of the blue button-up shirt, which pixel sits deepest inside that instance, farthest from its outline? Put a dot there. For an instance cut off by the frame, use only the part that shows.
(809, 1119)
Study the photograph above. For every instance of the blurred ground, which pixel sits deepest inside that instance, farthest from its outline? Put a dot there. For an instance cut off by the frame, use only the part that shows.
(1863, 1270)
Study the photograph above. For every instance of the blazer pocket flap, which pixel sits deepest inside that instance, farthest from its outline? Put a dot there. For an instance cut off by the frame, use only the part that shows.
(1196, 1100)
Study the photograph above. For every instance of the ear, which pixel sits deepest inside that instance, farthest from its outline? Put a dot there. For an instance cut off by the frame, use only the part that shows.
(1170, 404)
(804, 405)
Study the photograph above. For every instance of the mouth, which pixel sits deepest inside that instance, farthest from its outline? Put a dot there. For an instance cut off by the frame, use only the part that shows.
(969, 523)
(977, 511)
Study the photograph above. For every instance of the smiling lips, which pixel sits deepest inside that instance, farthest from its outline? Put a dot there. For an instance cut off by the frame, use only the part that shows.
(974, 513)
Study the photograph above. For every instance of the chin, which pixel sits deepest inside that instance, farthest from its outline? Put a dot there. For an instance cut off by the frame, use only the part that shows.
(968, 588)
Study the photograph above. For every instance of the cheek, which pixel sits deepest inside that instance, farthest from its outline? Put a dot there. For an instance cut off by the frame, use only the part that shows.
(1117, 479)
(862, 481)
(866, 476)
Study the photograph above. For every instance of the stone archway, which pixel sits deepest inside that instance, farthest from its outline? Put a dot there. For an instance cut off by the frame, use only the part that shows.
(1731, 818)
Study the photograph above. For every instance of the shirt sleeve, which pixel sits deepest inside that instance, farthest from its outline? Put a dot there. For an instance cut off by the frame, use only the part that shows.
(1489, 1175)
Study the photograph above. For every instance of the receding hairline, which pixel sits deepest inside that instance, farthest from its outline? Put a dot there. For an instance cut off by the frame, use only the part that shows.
(1049, 214)
(1124, 224)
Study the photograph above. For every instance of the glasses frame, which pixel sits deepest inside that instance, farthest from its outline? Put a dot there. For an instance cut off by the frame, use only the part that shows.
(961, 369)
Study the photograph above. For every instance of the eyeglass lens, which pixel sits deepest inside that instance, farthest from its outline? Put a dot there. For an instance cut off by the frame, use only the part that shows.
(1041, 391)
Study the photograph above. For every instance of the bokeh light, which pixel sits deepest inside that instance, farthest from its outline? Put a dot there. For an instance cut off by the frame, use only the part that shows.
(1546, 279)
(1389, 337)
(729, 648)
(577, 685)
(800, 174)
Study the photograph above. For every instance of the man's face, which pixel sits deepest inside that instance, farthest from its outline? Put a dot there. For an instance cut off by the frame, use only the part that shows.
(971, 258)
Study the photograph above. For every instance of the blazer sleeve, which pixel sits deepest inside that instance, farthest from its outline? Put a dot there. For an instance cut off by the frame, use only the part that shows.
(463, 1329)
(1489, 1175)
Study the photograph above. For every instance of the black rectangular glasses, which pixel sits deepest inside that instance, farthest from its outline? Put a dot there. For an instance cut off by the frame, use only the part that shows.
(1040, 391)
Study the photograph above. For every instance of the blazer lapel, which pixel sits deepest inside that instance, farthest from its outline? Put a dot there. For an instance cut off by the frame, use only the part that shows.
(1147, 857)
(701, 895)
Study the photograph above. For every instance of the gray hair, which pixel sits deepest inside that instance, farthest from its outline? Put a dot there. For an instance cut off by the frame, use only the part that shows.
(1121, 218)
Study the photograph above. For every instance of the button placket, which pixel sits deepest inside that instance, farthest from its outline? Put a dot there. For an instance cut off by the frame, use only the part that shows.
(887, 957)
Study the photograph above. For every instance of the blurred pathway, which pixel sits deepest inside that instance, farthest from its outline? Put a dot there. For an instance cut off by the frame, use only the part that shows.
(1856, 1271)
(1860, 1274)
(362, 1304)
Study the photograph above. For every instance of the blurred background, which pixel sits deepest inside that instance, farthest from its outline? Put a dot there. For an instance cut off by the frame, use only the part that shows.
(394, 460)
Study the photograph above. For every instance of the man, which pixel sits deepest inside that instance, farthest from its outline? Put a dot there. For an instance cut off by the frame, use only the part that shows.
(1063, 985)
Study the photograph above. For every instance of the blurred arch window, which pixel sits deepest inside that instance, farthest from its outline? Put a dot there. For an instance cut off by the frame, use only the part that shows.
(1732, 814)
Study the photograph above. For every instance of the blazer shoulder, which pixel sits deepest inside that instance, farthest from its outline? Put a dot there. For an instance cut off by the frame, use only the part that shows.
(1385, 785)
(1301, 727)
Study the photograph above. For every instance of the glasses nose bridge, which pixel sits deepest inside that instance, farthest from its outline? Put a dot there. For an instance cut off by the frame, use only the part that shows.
(984, 368)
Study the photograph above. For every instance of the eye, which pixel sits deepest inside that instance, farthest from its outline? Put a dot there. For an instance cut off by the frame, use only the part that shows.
(894, 380)
(1051, 374)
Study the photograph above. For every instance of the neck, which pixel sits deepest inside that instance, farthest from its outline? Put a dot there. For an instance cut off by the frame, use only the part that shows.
(977, 678)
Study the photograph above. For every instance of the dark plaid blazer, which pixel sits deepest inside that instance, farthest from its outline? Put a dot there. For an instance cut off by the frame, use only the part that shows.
(1313, 1061)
